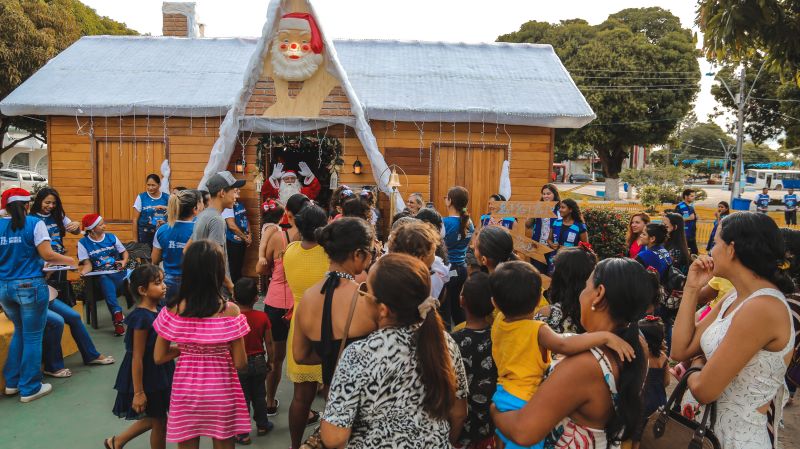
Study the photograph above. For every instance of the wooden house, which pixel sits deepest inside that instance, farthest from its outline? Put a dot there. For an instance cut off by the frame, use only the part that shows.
(441, 114)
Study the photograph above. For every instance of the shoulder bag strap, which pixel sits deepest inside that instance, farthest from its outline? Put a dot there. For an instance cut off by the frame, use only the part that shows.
(347, 325)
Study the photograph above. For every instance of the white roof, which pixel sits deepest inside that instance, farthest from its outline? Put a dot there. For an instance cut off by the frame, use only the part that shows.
(394, 80)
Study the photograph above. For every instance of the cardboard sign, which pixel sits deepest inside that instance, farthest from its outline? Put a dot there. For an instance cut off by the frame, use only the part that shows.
(522, 210)
(530, 248)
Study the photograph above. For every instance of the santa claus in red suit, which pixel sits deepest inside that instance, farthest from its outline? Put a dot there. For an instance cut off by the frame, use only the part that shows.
(283, 184)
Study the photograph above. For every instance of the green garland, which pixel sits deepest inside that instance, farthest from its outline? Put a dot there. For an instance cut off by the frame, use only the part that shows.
(329, 149)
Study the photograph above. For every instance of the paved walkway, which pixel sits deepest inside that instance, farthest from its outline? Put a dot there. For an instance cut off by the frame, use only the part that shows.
(77, 414)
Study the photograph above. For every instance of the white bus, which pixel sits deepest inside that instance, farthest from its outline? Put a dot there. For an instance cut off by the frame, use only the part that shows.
(773, 179)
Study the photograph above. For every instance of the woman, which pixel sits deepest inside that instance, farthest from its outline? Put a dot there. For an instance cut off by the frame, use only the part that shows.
(746, 341)
(418, 239)
(592, 400)
(541, 226)
(320, 323)
(458, 229)
(569, 230)
(23, 292)
(635, 227)
(305, 264)
(415, 203)
(571, 268)
(174, 236)
(339, 196)
(150, 210)
(397, 388)
(490, 220)
(723, 210)
(48, 208)
(493, 246)
(676, 242)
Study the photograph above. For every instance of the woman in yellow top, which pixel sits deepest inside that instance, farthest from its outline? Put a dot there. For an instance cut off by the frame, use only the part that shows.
(305, 264)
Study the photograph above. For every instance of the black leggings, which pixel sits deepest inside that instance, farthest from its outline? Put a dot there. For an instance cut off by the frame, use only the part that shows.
(236, 253)
(451, 311)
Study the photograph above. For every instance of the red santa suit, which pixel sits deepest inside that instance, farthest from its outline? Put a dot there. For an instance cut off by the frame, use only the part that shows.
(276, 188)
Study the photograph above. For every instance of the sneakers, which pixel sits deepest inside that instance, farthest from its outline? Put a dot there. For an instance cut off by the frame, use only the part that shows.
(119, 328)
(44, 391)
(11, 391)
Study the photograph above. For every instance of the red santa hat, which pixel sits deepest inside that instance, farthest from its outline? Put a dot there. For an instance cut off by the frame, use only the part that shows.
(303, 21)
(14, 194)
(289, 173)
(90, 221)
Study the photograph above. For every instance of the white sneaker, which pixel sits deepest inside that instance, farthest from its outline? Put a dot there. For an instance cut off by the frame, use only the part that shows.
(11, 391)
(44, 391)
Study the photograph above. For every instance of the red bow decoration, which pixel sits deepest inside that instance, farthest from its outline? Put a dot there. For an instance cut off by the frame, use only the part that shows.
(651, 318)
(269, 205)
(586, 246)
(652, 269)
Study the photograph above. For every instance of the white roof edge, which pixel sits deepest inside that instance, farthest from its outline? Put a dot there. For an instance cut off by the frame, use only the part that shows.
(13, 109)
(548, 121)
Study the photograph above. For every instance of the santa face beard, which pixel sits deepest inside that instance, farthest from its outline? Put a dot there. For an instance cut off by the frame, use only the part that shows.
(286, 190)
(294, 69)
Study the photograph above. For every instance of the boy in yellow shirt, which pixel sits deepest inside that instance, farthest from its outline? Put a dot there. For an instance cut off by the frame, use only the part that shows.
(521, 345)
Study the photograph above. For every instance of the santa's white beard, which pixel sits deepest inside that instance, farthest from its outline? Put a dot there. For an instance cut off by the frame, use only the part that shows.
(294, 69)
(286, 190)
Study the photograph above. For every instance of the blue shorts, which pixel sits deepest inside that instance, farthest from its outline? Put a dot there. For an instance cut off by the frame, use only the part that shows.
(506, 402)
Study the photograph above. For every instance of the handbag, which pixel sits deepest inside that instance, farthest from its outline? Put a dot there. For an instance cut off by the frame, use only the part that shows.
(666, 428)
(314, 441)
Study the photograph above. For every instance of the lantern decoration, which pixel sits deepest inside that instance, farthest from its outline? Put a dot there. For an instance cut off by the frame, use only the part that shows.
(239, 166)
(357, 166)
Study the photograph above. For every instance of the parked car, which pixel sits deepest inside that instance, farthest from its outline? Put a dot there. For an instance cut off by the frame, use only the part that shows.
(25, 179)
(579, 178)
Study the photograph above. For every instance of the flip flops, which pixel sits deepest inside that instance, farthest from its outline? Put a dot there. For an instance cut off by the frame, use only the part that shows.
(102, 360)
(62, 373)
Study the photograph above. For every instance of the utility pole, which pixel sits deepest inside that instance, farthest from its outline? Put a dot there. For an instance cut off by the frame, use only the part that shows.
(736, 189)
(726, 172)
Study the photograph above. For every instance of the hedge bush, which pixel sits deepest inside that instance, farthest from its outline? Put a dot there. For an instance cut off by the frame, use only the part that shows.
(607, 229)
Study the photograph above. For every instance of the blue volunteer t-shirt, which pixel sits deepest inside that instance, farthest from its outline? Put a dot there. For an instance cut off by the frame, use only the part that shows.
(18, 256)
(240, 217)
(506, 222)
(456, 246)
(148, 214)
(656, 257)
(102, 254)
(568, 235)
(56, 239)
(762, 201)
(790, 201)
(172, 240)
(686, 210)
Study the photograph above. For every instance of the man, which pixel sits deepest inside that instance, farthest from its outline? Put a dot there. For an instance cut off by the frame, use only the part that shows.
(762, 201)
(224, 190)
(283, 184)
(238, 238)
(790, 213)
(686, 209)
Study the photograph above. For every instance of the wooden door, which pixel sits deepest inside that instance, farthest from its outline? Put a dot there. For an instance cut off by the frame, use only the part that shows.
(121, 171)
(476, 168)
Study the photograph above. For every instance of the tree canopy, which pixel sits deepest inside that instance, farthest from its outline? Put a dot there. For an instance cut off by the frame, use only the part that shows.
(638, 70)
(34, 31)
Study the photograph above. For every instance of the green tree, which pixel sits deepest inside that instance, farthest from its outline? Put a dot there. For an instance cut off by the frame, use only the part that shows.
(639, 72)
(702, 141)
(31, 33)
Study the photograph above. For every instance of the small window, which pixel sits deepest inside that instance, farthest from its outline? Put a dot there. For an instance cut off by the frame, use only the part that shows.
(26, 177)
(8, 175)
(38, 178)
(761, 175)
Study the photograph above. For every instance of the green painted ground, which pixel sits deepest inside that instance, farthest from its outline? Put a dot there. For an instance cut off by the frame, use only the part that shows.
(77, 414)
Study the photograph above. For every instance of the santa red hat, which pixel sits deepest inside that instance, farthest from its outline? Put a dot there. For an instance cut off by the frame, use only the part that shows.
(90, 221)
(303, 21)
(14, 194)
(288, 173)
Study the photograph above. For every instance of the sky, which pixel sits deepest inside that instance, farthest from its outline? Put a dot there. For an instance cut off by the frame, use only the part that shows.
(426, 20)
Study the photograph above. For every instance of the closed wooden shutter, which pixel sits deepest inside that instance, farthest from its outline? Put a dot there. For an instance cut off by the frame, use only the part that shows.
(476, 168)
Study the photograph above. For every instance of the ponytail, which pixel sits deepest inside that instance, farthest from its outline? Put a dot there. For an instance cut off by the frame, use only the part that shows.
(17, 211)
(459, 198)
(402, 283)
(629, 387)
(181, 205)
(172, 209)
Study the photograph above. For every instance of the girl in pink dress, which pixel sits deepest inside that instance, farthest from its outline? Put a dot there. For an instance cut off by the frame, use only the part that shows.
(207, 399)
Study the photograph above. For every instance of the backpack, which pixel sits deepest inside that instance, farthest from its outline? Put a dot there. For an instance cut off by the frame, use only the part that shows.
(673, 288)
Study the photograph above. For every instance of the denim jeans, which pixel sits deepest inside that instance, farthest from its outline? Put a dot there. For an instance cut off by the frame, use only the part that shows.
(146, 234)
(25, 303)
(59, 313)
(109, 283)
(173, 286)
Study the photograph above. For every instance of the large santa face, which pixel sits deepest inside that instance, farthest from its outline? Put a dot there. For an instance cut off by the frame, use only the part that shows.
(289, 186)
(293, 57)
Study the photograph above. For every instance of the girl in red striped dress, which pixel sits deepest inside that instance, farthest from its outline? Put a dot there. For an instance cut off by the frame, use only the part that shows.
(207, 399)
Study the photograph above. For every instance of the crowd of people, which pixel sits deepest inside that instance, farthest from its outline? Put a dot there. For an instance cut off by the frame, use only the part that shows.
(439, 335)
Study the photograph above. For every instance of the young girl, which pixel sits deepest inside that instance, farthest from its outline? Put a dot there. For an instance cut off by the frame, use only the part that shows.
(173, 237)
(458, 229)
(635, 227)
(570, 229)
(207, 399)
(653, 253)
(654, 394)
(489, 220)
(99, 250)
(676, 242)
(143, 388)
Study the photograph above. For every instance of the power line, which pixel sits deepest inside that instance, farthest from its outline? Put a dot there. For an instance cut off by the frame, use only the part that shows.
(655, 72)
(612, 89)
(776, 99)
(634, 86)
(635, 77)
(636, 122)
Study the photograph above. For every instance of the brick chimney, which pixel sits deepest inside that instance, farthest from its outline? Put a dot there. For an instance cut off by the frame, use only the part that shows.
(180, 19)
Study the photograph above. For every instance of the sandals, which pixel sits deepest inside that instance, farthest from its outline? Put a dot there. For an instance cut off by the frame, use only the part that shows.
(102, 360)
(62, 373)
(113, 443)
(272, 411)
(244, 439)
(313, 419)
(261, 431)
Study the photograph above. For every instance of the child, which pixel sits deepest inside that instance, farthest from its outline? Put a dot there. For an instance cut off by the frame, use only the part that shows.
(475, 344)
(207, 399)
(521, 345)
(258, 345)
(99, 250)
(654, 393)
(171, 238)
(143, 388)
